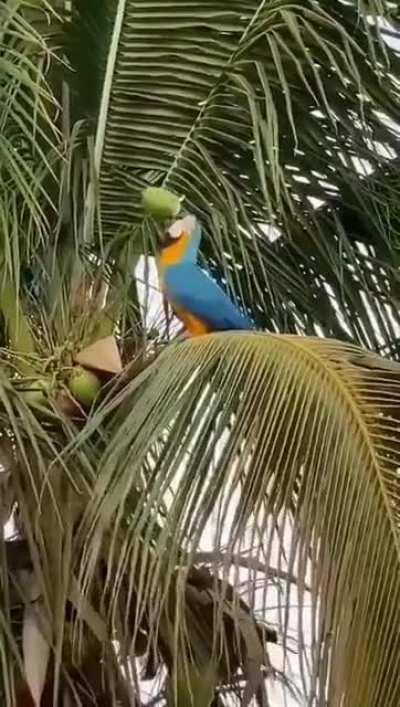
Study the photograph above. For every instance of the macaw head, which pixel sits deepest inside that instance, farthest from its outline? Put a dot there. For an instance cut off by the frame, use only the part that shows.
(177, 243)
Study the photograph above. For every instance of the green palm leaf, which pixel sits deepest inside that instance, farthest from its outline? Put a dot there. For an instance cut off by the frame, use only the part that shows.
(280, 452)
(28, 140)
(251, 110)
(268, 432)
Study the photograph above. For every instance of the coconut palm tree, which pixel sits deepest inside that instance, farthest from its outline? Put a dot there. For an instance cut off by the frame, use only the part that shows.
(185, 520)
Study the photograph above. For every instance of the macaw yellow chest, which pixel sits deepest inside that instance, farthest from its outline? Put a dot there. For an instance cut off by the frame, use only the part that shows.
(173, 255)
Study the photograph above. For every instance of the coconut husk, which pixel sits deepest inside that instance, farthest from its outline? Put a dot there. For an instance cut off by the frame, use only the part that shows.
(102, 356)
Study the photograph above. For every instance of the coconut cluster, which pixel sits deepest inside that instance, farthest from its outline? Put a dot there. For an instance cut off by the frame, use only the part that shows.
(84, 386)
(80, 390)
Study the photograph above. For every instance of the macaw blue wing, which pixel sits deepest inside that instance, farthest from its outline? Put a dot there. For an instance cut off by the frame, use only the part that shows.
(192, 289)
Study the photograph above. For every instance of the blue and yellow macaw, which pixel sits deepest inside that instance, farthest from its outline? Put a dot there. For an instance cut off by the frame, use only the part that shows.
(200, 304)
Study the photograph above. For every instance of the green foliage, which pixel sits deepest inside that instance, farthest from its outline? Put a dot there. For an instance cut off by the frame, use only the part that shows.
(283, 452)
(253, 111)
(87, 31)
(28, 141)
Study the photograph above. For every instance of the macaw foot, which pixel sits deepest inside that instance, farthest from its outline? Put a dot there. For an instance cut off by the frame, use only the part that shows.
(183, 336)
(187, 336)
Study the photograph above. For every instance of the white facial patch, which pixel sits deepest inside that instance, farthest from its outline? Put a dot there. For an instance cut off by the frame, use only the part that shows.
(183, 225)
(176, 229)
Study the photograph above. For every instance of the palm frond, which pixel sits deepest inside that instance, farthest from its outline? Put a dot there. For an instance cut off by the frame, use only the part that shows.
(253, 111)
(46, 499)
(28, 133)
(87, 31)
(233, 473)
(269, 434)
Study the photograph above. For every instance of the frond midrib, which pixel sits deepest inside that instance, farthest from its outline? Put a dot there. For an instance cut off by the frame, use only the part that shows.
(350, 400)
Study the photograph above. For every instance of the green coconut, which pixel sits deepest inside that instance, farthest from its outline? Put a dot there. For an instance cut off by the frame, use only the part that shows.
(84, 386)
(161, 203)
(37, 391)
